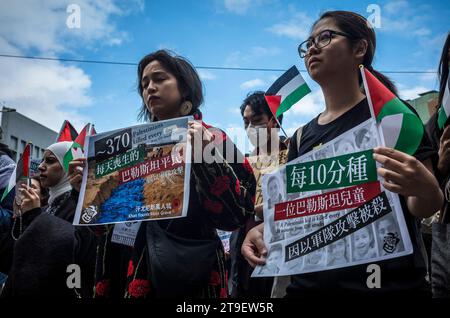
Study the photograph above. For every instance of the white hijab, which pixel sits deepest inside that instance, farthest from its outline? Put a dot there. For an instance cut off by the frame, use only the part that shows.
(60, 149)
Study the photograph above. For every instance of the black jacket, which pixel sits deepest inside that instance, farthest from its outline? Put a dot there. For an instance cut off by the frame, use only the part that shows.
(48, 243)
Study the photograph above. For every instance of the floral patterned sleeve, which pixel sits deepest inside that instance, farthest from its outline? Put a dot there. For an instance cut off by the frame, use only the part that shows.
(226, 189)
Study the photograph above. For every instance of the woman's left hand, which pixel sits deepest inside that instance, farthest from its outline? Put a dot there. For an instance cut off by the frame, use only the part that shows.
(405, 175)
(30, 200)
(199, 137)
(76, 169)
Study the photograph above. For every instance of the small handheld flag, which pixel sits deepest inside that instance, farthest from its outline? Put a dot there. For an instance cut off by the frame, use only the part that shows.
(77, 148)
(67, 132)
(287, 90)
(401, 127)
(21, 171)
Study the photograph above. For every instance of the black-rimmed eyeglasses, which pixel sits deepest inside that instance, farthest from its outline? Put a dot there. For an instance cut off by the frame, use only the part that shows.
(320, 41)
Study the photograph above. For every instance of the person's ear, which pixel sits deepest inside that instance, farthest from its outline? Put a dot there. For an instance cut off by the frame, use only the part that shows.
(360, 49)
(186, 108)
(272, 123)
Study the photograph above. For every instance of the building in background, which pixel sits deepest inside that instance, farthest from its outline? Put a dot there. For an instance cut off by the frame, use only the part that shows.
(425, 104)
(17, 130)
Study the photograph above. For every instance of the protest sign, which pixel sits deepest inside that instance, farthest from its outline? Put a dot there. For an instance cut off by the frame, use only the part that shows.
(138, 173)
(328, 209)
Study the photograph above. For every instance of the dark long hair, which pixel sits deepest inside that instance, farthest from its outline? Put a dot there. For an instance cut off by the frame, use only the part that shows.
(258, 105)
(443, 69)
(189, 83)
(358, 28)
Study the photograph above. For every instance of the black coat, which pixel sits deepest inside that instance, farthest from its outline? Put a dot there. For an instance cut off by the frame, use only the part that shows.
(38, 260)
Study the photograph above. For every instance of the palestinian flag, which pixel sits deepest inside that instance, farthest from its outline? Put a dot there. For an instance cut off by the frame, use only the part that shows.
(402, 128)
(77, 148)
(67, 132)
(444, 110)
(286, 91)
(21, 171)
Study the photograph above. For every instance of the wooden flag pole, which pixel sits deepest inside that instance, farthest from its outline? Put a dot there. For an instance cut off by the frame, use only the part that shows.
(281, 127)
(369, 101)
(29, 166)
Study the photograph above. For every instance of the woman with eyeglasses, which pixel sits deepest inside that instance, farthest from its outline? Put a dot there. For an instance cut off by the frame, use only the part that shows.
(340, 41)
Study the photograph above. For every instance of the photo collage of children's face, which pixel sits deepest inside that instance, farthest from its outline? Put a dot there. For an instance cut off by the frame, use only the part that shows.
(381, 238)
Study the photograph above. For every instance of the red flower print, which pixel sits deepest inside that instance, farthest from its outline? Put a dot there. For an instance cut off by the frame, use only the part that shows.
(213, 206)
(220, 185)
(130, 268)
(139, 288)
(247, 166)
(102, 288)
(238, 187)
(215, 278)
(175, 204)
(223, 293)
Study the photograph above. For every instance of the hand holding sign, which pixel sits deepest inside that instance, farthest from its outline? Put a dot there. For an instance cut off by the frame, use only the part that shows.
(199, 137)
(404, 174)
(253, 247)
(76, 169)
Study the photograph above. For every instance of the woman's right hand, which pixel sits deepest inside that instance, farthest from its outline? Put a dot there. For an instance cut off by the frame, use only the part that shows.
(76, 168)
(253, 248)
(30, 199)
